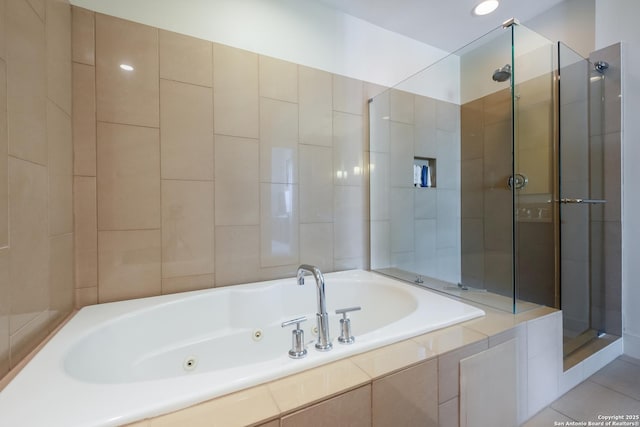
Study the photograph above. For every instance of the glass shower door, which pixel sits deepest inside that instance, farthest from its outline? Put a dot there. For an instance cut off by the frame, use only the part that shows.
(579, 198)
(532, 182)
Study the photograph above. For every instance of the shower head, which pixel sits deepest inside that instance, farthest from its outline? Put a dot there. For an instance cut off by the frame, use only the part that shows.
(502, 74)
(601, 66)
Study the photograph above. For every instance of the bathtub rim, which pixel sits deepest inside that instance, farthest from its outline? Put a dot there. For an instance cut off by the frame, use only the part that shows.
(131, 307)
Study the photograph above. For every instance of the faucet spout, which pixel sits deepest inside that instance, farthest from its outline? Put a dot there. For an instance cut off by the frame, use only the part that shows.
(324, 341)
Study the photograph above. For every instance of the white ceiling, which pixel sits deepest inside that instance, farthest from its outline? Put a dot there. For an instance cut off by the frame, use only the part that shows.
(445, 24)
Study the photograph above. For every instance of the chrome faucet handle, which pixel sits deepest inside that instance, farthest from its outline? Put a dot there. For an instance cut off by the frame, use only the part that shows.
(344, 311)
(295, 321)
(298, 350)
(345, 325)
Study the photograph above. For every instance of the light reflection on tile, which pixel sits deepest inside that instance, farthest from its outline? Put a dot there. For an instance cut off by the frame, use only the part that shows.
(379, 184)
(448, 339)
(279, 224)
(234, 410)
(278, 141)
(315, 384)
(348, 149)
(391, 358)
(316, 184)
(123, 96)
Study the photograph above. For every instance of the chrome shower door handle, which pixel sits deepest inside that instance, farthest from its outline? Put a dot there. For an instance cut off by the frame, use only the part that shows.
(567, 200)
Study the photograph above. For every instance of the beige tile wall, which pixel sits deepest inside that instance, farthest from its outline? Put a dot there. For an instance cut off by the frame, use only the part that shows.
(496, 366)
(208, 165)
(407, 397)
(36, 174)
(415, 229)
(352, 408)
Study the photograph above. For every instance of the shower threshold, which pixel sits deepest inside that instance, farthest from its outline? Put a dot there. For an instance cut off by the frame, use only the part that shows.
(583, 346)
(477, 295)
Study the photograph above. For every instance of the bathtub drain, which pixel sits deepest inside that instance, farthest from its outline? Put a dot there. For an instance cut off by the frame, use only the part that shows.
(190, 363)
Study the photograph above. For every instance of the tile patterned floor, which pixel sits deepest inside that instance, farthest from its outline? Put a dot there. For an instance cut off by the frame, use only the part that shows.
(613, 390)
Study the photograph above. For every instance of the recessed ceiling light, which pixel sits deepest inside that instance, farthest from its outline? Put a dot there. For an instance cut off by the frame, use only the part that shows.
(486, 7)
(126, 67)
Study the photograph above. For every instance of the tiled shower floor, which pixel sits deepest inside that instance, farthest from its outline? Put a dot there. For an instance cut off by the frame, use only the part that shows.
(613, 390)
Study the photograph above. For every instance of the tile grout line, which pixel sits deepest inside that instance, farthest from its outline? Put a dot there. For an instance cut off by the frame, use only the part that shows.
(612, 389)
(560, 412)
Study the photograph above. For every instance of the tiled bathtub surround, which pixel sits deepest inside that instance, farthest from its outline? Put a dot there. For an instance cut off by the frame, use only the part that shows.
(36, 216)
(207, 165)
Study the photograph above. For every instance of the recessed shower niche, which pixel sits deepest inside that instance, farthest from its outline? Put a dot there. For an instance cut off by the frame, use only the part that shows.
(424, 172)
(526, 208)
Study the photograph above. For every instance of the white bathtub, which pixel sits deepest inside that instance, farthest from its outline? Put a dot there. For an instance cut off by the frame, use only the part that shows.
(121, 362)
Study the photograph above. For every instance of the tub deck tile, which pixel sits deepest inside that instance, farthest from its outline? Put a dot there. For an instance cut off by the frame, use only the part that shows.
(246, 407)
(314, 385)
(392, 358)
(448, 339)
(492, 323)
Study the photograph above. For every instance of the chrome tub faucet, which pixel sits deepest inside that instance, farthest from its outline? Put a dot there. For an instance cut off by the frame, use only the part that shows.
(324, 341)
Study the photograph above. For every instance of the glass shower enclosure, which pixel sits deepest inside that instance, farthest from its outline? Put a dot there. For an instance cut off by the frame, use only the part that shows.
(479, 124)
(473, 162)
(588, 197)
